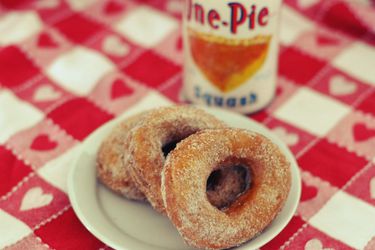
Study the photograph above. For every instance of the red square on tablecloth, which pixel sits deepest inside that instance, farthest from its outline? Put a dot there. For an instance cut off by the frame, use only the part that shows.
(152, 69)
(113, 7)
(13, 4)
(312, 239)
(158, 4)
(110, 11)
(368, 104)
(322, 160)
(260, 116)
(12, 170)
(35, 201)
(298, 66)
(340, 17)
(49, 10)
(67, 232)
(79, 117)
(78, 28)
(292, 227)
(15, 67)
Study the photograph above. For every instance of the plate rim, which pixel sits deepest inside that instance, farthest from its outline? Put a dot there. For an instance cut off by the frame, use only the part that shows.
(216, 111)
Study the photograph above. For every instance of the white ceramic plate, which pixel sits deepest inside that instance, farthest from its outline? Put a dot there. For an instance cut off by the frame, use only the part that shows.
(124, 224)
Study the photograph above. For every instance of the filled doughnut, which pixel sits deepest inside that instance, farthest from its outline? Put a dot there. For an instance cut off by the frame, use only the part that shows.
(185, 184)
(154, 137)
(111, 169)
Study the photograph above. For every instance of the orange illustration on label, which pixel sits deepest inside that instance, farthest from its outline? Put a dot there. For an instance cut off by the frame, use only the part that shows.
(228, 63)
(231, 52)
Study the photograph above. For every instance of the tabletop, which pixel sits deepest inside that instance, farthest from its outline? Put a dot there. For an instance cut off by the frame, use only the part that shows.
(69, 66)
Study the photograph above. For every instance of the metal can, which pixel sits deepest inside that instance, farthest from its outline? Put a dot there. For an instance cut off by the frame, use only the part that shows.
(231, 50)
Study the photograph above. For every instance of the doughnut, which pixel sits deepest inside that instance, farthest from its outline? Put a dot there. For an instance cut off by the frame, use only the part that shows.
(111, 170)
(154, 137)
(184, 185)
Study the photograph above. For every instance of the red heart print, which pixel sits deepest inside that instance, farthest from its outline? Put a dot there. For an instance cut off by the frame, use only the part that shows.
(308, 192)
(45, 41)
(326, 41)
(120, 89)
(179, 43)
(43, 143)
(362, 133)
(279, 90)
(113, 8)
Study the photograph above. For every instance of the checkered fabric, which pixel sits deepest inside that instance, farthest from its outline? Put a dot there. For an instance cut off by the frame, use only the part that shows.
(69, 66)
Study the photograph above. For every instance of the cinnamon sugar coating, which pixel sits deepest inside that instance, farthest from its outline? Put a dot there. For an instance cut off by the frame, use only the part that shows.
(184, 180)
(158, 128)
(111, 169)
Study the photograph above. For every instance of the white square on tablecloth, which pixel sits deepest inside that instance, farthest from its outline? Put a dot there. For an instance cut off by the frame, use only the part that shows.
(15, 115)
(18, 26)
(347, 219)
(11, 229)
(312, 111)
(79, 69)
(358, 60)
(56, 171)
(292, 25)
(146, 26)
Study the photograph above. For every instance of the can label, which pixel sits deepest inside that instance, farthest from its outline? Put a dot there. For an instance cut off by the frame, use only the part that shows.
(231, 53)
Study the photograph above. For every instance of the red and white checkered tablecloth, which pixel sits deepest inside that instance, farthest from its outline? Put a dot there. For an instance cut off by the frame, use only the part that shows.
(69, 66)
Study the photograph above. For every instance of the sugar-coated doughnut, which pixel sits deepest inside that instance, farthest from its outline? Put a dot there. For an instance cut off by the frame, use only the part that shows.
(111, 169)
(161, 128)
(184, 184)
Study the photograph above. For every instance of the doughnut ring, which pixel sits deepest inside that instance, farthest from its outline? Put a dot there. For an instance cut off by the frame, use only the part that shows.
(111, 169)
(184, 181)
(159, 131)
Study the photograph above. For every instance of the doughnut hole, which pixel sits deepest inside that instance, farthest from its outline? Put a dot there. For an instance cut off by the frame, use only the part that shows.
(176, 134)
(226, 184)
(169, 146)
